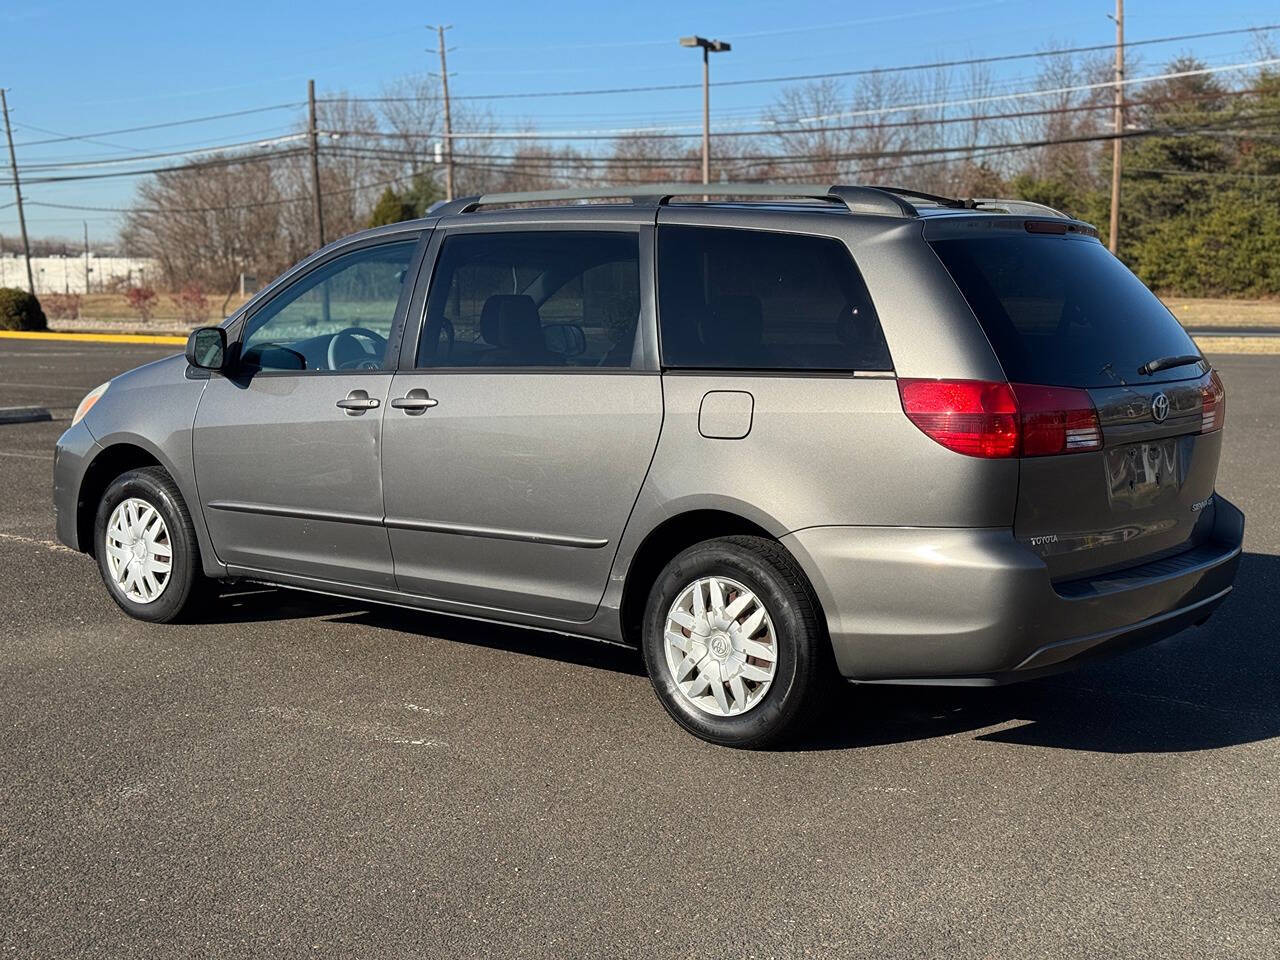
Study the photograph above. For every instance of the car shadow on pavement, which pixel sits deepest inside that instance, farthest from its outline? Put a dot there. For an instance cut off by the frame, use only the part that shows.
(255, 603)
(1208, 687)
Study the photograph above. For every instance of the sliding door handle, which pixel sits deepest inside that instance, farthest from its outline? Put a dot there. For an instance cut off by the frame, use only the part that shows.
(357, 402)
(415, 401)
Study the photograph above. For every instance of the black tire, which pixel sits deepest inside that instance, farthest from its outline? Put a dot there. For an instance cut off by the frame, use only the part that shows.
(804, 661)
(186, 585)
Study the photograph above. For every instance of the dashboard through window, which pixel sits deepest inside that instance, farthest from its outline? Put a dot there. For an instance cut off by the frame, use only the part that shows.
(526, 299)
(337, 317)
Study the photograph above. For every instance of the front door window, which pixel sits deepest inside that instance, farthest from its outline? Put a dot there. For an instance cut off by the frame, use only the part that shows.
(338, 317)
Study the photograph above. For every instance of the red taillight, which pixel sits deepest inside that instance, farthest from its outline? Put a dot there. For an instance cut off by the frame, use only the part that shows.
(974, 417)
(992, 419)
(1214, 396)
(1056, 420)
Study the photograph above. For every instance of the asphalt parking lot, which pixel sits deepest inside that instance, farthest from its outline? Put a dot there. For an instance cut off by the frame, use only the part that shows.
(309, 775)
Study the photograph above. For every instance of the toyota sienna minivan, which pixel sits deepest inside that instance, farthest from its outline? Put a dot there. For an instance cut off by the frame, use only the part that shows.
(771, 438)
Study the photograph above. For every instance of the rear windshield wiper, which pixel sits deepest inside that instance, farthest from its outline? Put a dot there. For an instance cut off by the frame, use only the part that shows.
(1164, 363)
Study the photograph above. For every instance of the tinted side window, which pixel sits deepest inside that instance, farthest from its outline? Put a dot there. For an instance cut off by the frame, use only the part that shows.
(750, 299)
(337, 317)
(545, 299)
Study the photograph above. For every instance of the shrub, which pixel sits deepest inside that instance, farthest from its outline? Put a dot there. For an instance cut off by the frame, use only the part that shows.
(62, 306)
(142, 301)
(192, 305)
(20, 310)
(391, 208)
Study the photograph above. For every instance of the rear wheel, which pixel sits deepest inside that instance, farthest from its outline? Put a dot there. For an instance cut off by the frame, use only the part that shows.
(733, 642)
(146, 546)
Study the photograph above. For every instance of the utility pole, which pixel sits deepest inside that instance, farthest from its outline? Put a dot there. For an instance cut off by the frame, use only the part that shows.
(315, 161)
(17, 190)
(86, 255)
(1114, 238)
(708, 47)
(448, 119)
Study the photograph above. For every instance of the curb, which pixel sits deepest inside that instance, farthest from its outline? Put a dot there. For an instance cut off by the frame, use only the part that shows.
(1242, 346)
(24, 414)
(89, 337)
(1233, 331)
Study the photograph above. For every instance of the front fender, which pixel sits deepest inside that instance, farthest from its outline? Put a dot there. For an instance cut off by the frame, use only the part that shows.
(153, 409)
(72, 456)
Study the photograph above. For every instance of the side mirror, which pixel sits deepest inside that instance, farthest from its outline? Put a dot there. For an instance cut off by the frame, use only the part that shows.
(564, 339)
(207, 348)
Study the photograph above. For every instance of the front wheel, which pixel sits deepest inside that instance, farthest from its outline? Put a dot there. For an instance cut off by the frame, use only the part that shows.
(733, 641)
(146, 546)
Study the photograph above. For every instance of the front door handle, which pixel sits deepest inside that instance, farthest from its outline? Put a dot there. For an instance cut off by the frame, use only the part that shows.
(414, 402)
(357, 402)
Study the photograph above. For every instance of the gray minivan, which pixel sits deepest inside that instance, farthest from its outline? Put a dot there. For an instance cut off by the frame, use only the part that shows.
(789, 435)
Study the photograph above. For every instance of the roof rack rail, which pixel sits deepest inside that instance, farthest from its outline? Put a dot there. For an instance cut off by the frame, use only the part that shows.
(878, 200)
(857, 199)
(1018, 207)
(949, 202)
(994, 204)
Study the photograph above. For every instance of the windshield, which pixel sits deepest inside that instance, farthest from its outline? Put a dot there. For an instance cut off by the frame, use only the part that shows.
(1065, 312)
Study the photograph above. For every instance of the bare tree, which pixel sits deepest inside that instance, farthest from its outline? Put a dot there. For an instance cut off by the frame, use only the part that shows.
(208, 221)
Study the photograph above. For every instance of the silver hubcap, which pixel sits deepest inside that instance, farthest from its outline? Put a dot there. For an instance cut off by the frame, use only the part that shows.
(139, 554)
(720, 645)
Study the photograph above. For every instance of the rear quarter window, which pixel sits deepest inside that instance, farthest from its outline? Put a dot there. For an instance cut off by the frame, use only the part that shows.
(1063, 311)
(756, 300)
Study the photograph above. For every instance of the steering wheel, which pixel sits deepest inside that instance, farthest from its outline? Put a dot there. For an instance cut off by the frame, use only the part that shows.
(446, 327)
(347, 352)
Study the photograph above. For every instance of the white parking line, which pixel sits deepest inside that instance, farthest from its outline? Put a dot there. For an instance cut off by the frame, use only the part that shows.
(28, 354)
(47, 386)
(27, 456)
(50, 545)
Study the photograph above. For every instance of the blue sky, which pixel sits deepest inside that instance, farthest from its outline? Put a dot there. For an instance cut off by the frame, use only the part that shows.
(80, 68)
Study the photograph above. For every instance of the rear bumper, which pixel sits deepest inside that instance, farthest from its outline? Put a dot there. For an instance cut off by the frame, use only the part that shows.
(976, 607)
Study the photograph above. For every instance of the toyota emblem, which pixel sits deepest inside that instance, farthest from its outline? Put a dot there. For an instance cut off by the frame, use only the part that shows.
(1159, 408)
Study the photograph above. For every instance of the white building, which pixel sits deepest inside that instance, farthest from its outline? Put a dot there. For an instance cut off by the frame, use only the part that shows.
(68, 274)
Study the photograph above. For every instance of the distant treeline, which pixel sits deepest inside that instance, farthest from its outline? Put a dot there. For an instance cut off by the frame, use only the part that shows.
(1200, 200)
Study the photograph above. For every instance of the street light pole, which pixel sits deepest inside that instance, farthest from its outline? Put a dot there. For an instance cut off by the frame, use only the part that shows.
(706, 116)
(708, 47)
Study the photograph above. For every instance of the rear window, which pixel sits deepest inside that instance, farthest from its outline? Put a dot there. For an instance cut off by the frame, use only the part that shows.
(754, 300)
(1064, 312)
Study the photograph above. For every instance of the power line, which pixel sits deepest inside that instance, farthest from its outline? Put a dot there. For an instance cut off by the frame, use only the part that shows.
(29, 168)
(406, 135)
(1053, 91)
(169, 123)
(979, 153)
(529, 163)
(200, 144)
(886, 125)
(306, 198)
(195, 151)
(171, 168)
(1207, 174)
(59, 133)
(793, 78)
(941, 64)
(390, 153)
(633, 133)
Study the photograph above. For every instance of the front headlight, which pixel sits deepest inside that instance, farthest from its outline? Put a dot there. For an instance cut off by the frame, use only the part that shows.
(92, 397)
